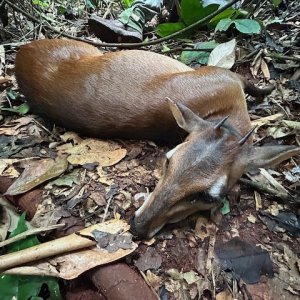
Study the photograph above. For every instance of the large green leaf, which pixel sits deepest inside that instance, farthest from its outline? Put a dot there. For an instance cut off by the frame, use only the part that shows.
(192, 11)
(247, 26)
(242, 25)
(25, 243)
(223, 25)
(168, 28)
(19, 287)
(25, 287)
(227, 13)
(200, 57)
(207, 45)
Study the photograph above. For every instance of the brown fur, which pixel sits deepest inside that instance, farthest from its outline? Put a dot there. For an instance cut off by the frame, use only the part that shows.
(123, 95)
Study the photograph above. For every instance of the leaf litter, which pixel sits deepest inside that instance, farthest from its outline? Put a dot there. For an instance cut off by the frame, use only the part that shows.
(180, 262)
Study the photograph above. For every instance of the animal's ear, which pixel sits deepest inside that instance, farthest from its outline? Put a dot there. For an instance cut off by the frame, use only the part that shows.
(185, 118)
(267, 156)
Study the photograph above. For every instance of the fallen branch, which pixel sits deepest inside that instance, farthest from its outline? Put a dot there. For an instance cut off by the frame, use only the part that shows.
(79, 240)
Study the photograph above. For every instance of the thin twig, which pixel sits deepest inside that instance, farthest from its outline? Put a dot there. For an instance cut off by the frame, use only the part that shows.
(106, 208)
(186, 49)
(282, 57)
(56, 138)
(129, 45)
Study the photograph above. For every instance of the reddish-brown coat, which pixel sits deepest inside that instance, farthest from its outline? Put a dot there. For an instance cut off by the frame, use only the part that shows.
(122, 94)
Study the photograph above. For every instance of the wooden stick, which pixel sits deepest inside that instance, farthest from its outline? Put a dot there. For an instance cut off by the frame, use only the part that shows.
(72, 242)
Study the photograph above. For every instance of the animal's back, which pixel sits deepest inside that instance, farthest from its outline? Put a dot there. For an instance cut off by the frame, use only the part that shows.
(120, 94)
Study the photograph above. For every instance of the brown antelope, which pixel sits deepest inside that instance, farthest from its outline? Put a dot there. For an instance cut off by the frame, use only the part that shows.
(123, 95)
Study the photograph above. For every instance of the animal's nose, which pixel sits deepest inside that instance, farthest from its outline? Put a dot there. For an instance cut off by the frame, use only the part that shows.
(137, 230)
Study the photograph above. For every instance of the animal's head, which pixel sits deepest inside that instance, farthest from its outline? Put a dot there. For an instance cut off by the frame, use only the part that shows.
(201, 170)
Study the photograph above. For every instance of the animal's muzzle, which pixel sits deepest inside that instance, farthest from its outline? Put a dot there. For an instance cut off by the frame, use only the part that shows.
(137, 230)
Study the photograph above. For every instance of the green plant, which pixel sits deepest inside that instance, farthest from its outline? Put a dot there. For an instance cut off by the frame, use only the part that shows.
(127, 3)
(242, 25)
(276, 2)
(41, 3)
(22, 109)
(25, 287)
(200, 57)
(195, 10)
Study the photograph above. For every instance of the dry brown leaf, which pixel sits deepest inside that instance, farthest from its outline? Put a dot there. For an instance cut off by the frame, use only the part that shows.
(91, 150)
(274, 209)
(4, 222)
(258, 202)
(5, 79)
(48, 214)
(7, 169)
(11, 172)
(71, 136)
(15, 126)
(3, 165)
(153, 280)
(224, 295)
(98, 198)
(292, 124)
(92, 145)
(255, 65)
(266, 120)
(252, 219)
(105, 159)
(151, 259)
(37, 172)
(204, 228)
(265, 69)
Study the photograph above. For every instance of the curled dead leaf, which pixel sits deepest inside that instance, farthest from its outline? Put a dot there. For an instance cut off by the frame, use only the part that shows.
(36, 172)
